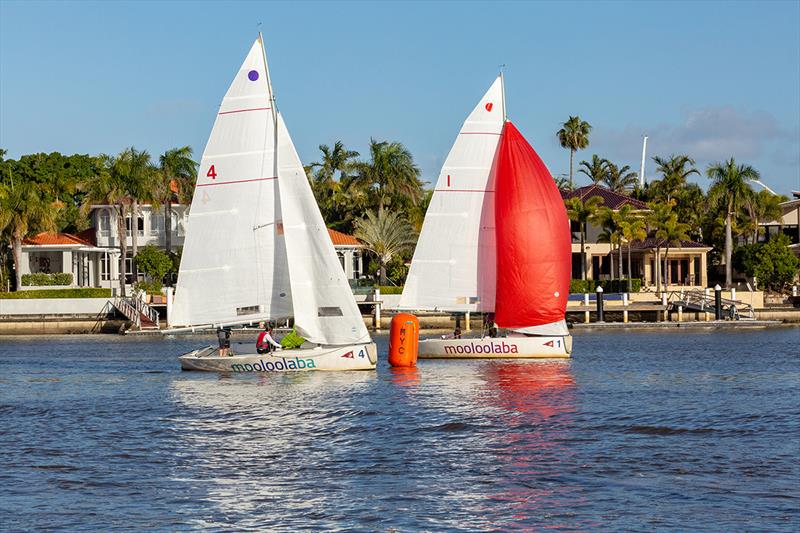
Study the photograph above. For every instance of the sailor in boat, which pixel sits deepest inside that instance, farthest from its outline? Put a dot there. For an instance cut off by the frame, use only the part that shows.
(224, 338)
(488, 325)
(456, 333)
(266, 343)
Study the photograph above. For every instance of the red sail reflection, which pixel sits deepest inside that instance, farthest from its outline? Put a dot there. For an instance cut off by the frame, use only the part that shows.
(535, 402)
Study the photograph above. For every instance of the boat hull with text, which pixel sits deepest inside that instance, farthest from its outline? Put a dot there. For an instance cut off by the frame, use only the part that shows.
(352, 357)
(539, 347)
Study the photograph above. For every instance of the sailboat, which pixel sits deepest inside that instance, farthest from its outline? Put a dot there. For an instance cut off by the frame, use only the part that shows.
(495, 240)
(256, 246)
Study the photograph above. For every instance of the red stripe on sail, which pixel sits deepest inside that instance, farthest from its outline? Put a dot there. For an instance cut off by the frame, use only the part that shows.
(244, 110)
(232, 182)
(534, 250)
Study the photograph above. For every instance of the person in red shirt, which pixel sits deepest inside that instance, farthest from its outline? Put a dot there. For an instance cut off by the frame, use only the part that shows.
(265, 342)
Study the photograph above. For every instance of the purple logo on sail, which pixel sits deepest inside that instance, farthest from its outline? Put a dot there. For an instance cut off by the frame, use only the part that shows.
(253, 75)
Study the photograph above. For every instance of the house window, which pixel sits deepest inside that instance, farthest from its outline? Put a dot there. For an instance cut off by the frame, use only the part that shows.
(105, 267)
(356, 265)
(156, 223)
(177, 224)
(105, 223)
(139, 225)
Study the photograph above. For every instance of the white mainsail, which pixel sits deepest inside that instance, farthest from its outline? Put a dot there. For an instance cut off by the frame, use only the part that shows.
(234, 267)
(453, 268)
(325, 311)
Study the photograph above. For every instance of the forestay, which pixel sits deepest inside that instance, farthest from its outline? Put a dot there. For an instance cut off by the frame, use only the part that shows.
(325, 311)
(234, 267)
(453, 268)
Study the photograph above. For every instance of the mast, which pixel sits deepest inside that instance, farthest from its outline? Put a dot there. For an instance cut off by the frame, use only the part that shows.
(641, 170)
(272, 105)
(503, 88)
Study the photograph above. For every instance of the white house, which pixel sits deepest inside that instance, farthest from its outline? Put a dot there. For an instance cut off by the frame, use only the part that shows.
(92, 256)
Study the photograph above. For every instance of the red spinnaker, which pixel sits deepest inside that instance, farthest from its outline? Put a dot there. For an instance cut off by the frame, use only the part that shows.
(534, 251)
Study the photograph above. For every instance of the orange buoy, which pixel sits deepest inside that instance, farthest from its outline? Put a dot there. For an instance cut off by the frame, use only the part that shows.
(404, 340)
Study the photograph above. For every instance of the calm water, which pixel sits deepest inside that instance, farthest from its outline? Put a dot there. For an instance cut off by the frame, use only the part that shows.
(640, 431)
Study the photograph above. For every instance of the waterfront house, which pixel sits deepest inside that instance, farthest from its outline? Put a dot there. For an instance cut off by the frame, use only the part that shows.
(92, 257)
(688, 263)
(788, 224)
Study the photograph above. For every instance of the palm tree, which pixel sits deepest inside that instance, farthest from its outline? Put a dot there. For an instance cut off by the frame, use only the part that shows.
(386, 234)
(23, 208)
(562, 182)
(177, 176)
(674, 170)
(574, 135)
(108, 187)
(338, 196)
(390, 173)
(416, 215)
(618, 179)
(596, 170)
(137, 173)
(730, 188)
(672, 233)
(604, 218)
(581, 212)
(633, 229)
(762, 206)
(660, 213)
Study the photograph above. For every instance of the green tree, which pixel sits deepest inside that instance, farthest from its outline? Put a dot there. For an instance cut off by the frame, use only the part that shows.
(675, 170)
(176, 179)
(386, 234)
(730, 189)
(574, 136)
(390, 175)
(596, 170)
(672, 233)
(23, 209)
(603, 217)
(154, 263)
(108, 187)
(761, 206)
(137, 173)
(632, 229)
(660, 213)
(581, 212)
(340, 198)
(619, 178)
(772, 264)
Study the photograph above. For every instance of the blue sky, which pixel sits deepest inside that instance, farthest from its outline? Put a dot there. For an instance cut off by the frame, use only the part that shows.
(713, 80)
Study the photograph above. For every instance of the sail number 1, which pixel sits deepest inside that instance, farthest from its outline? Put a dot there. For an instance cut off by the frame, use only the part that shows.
(212, 173)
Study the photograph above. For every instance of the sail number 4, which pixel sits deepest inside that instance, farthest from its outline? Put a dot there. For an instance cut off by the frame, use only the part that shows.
(212, 173)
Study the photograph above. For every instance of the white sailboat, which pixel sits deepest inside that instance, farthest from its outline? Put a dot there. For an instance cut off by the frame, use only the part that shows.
(495, 240)
(256, 246)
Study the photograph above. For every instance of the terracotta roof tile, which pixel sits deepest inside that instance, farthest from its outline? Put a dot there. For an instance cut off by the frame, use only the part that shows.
(611, 199)
(652, 242)
(56, 239)
(342, 239)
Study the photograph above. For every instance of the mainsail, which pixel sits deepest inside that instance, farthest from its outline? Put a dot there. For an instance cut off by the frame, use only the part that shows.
(453, 268)
(234, 266)
(534, 251)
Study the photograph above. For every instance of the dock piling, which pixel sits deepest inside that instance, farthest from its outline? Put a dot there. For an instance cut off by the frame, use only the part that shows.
(717, 302)
(625, 307)
(600, 304)
(586, 307)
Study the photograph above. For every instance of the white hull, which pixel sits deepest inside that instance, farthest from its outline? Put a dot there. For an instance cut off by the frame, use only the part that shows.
(352, 357)
(555, 347)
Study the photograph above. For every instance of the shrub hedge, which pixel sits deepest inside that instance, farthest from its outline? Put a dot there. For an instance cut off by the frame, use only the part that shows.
(43, 278)
(390, 289)
(85, 292)
(590, 285)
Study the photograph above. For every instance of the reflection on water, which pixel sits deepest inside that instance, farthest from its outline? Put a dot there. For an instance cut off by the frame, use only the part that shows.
(109, 434)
